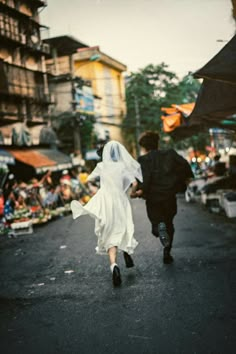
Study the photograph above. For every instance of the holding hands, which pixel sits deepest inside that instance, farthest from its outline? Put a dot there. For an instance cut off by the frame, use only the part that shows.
(135, 192)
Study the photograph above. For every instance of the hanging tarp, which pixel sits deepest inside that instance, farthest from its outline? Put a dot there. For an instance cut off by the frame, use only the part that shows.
(185, 131)
(171, 122)
(222, 66)
(175, 116)
(216, 101)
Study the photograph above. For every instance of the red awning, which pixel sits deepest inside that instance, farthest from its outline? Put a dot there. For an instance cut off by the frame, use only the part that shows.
(42, 159)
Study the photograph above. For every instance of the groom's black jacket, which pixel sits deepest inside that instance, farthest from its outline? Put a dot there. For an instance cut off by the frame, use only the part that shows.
(164, 174)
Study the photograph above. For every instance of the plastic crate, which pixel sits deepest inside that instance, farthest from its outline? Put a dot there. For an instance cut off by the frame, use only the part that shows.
(222, 193)
(22, 228)
(230, 208)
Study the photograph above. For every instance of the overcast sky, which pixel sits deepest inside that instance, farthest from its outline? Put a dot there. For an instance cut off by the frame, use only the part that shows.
(181, 33)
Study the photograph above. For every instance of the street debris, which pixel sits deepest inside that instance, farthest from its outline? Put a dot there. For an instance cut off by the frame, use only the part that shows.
(136, 336)
(19, 252)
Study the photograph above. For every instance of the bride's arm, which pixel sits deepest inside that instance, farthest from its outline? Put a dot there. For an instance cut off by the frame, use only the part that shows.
(135, 192)
(94, 174)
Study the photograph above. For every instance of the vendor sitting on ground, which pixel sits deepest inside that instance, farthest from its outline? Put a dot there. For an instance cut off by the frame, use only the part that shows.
(20, 202)
(51, 199)
(66, 191)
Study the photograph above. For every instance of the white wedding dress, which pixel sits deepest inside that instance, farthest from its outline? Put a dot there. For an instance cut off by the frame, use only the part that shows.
(110, 206)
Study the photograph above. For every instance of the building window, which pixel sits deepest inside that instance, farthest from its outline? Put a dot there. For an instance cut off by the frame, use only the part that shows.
(108, 90)
(9, 27)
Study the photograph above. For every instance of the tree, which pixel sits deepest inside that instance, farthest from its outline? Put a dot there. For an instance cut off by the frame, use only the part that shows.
(87, 132)
(64, 126)
(152, 88)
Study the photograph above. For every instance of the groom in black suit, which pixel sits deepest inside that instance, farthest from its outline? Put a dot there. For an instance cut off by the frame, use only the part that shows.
(165, 173)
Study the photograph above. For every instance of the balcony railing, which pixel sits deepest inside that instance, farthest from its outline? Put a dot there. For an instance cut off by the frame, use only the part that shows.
(44, 48)
(24, 40)
(22, 82)
(16, 13)
(16, 37)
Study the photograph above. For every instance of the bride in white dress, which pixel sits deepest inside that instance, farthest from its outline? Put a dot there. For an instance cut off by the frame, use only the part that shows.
(110, 206)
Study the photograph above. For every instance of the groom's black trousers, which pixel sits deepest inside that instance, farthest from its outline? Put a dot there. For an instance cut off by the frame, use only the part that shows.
(162, 211)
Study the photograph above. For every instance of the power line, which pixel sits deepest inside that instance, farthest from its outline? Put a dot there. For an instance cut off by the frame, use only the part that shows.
(98, 78)
(65, 92)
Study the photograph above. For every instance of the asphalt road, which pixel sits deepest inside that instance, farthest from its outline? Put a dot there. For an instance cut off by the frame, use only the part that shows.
(56, 294)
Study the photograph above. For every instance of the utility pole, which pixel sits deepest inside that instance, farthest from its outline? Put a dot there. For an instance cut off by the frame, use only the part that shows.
(75, 115)
(137, 124)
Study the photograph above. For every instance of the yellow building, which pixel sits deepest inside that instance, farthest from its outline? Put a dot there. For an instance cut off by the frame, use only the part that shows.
(74, 67)
(105, 74)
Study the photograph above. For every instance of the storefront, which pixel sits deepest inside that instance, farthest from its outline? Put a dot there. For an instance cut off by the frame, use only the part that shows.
(30, 162)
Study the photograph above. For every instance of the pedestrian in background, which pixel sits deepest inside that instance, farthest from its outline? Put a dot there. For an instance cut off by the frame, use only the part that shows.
(1, 203)
(10, 205)
(164, 175)
(110, 206)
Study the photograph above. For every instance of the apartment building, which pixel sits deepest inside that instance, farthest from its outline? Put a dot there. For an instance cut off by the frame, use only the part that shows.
(24, 95)
(106, 76)
(72, 64)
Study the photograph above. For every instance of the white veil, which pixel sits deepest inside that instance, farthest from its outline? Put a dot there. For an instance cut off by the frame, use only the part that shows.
(115, 152)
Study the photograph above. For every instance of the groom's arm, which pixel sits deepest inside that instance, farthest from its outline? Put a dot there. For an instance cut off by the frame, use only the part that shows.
(146, 166)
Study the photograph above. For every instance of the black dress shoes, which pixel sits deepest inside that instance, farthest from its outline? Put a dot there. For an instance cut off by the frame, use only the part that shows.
(167, 258)
(128, 260)
(116, 278)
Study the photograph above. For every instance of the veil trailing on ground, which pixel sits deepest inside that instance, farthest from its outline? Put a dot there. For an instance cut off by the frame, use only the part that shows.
(115, 152)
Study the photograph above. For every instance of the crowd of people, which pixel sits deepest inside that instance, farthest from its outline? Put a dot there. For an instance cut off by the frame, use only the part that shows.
(41, 199)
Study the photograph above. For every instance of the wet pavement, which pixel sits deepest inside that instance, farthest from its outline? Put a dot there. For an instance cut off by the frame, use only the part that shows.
(56, 294)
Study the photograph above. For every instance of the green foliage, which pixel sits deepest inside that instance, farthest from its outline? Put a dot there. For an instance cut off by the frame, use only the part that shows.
(188, 89)
(86, 132)
(155, 87)
(66, 123)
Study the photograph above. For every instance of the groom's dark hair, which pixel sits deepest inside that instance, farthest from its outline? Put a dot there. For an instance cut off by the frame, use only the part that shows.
(149, 140)
(100, 150)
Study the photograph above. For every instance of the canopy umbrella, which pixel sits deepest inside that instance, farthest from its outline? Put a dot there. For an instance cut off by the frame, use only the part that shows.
(222, 66)
(216, 103)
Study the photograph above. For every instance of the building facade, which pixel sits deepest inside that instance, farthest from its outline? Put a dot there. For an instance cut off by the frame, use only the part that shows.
(24, 94)
(105, 74)
(85, 82)
(66, 88)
